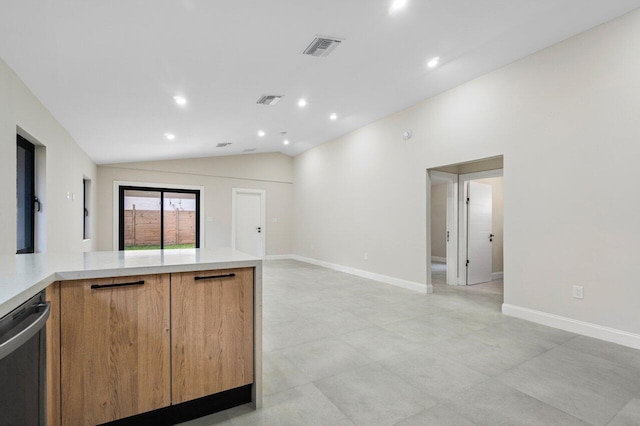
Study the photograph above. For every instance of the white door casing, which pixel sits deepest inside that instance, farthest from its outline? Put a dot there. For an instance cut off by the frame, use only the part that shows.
(248, 221)
(479, 232)
(452, 230)
(451, 224)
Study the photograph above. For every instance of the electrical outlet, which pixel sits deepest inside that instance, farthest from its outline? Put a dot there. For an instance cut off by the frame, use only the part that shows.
(366, 256)
(578, 292)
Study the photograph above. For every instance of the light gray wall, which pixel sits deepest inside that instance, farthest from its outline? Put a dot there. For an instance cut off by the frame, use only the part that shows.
(65, 165)
(566, 121)
(218, 176)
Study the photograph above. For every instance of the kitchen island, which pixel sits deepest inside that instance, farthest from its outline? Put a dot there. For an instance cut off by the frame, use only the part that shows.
(141, 333)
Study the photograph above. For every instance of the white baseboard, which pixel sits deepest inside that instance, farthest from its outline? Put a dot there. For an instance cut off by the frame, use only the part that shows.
(497, 275)
(410, 285)
(278, 256)
(438, 259)
(575, 326)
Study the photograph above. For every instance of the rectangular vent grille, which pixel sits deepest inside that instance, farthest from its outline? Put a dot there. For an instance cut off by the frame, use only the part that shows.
(249, 150)
(223, 144)
(321, 46)
(269, 99)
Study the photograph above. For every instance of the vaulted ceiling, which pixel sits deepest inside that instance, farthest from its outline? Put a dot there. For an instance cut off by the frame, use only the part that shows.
(109, 70)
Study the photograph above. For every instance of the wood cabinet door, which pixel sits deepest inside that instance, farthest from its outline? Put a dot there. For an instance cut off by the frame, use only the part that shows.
(115, 348)
(211, 332)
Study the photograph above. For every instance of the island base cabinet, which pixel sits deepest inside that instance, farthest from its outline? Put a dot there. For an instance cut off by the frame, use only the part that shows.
(212, 332)
(115, 348)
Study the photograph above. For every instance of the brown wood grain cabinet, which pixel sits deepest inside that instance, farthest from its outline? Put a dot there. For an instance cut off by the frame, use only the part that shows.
(115, 348)
(212, 332)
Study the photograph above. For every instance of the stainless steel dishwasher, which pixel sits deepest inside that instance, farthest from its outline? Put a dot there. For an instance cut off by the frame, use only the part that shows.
(22, 364)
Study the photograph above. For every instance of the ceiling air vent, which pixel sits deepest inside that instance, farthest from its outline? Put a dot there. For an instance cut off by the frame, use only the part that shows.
(223, 144)
(321, 46)
(269, 99)
(249, 150)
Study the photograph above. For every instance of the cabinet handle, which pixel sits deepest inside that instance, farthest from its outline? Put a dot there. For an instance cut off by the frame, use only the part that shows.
(211, 277)
(98, 286)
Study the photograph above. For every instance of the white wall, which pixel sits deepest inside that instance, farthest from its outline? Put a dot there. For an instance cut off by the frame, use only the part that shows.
(218, 175)
(66, 164)
(566, 121)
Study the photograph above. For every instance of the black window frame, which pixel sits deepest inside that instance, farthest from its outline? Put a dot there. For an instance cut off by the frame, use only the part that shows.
(85, 210)
(162, 191)
(28, 146)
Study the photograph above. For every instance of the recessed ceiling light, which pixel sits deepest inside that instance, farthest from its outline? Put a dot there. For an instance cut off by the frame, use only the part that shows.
(286, 142)
(433, 62)
(180, 100)
(261, 133)
(333, 116)
(397, 5)
(302, 103)
(170, 136)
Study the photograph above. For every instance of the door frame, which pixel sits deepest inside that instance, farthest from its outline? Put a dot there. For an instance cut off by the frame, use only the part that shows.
(263, 215)
(115, 230)
(463, 192)
(452, 225)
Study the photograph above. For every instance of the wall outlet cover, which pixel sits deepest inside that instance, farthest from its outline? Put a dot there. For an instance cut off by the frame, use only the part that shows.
(578, 292)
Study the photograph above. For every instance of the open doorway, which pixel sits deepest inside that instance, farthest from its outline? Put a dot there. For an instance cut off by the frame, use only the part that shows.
(465, 226)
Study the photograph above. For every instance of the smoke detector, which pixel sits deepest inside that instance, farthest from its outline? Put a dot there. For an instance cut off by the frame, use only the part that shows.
(269, 99)
(322, 46)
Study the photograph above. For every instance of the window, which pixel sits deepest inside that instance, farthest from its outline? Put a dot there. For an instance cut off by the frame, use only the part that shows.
(158, 218)
(86, 222)
(26, 198)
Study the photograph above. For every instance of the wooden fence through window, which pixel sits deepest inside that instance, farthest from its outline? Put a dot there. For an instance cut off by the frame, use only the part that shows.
(142, 227)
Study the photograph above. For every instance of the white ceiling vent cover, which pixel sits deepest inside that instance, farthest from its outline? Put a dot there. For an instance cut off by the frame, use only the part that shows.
(322, 46)
(269, 99)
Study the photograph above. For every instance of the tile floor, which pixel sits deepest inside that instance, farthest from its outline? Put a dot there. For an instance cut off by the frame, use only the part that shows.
(438, 272)
(343, 350)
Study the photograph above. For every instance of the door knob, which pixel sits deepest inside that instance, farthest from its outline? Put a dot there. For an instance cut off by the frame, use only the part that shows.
(491, 237)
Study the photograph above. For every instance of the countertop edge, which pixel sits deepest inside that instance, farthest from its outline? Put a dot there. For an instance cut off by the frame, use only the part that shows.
(13, 302)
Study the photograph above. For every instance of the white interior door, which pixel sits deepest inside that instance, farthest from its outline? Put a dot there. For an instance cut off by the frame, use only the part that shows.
(249, 222)
(452, 230)
(479, 233)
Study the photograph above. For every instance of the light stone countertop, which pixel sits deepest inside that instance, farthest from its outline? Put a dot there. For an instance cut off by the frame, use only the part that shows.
(23, 276)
